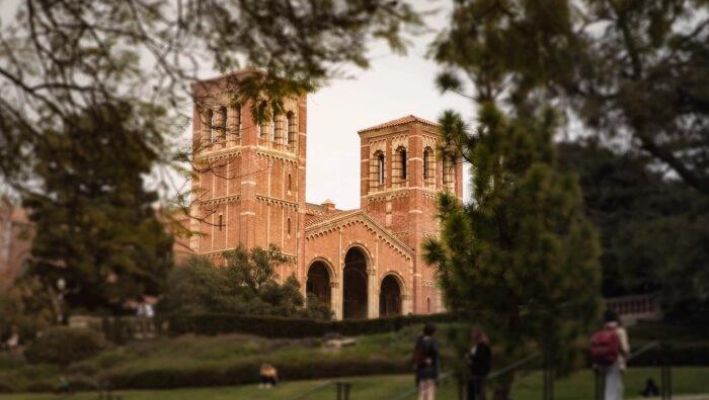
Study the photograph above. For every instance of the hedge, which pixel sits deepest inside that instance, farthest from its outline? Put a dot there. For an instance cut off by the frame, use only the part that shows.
(62, 346)
(293, 328)
(168, 377)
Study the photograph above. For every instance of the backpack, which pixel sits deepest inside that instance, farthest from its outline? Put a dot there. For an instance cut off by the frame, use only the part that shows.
(421, 352)
(605, 347)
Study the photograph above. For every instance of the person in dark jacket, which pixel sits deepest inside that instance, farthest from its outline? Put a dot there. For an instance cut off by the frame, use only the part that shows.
(479, 360)
(426, 362)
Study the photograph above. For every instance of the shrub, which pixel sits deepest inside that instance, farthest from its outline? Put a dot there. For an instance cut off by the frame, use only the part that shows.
(62, 346)
(281, 327)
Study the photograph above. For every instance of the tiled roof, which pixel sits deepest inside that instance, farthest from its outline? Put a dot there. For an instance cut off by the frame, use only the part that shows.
(324, 217)
(400, 121)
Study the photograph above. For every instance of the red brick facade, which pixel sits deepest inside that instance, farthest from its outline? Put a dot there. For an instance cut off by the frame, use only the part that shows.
(249, 188)
(15, 241)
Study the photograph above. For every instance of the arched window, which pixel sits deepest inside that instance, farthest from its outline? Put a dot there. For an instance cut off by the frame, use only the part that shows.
(292, 128)
(209, 126)
(220, 222)
(428, 167)
(288, 227)
(290, 183)
(235, 123)
(428, 305)
(402, 163)
(448, 173)
(222, 119)
(380, 168)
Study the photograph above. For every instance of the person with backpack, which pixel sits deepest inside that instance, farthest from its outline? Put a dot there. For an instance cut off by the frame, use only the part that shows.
(479, 360)
(426, 362)
(609, 350)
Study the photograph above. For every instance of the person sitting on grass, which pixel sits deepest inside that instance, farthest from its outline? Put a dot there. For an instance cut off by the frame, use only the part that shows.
(269, 376)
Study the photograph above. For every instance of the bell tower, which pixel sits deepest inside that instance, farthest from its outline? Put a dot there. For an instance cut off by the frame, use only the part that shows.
(402, 172)
(248, 185)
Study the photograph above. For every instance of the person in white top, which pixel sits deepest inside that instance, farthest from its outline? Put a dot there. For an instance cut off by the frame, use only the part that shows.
(614, 373)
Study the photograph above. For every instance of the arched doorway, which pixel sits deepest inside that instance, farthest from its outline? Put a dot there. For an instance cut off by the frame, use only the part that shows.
(390, 297)
(318, 282)
(355, 285)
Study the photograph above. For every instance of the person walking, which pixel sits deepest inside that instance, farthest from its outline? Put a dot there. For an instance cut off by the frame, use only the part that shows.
(609, 351)
(426, 360)
(479, 360)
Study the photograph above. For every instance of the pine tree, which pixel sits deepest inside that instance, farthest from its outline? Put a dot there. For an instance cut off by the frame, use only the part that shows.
(521, 257)
(95, 225)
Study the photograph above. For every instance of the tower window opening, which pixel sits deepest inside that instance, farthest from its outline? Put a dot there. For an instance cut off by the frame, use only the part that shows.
(210, 124)
(290, 183)
(223, 115)
(288, 227)
(292, 128)
(237, 119)
(220, 224)
(427, 163)
(380, 168)
(402, 160)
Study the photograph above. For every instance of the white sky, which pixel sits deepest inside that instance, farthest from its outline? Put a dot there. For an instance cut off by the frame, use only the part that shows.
(393, 87)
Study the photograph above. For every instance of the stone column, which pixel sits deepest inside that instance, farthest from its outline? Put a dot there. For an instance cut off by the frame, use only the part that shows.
(336, 298)
(372, 293)
(406, 307)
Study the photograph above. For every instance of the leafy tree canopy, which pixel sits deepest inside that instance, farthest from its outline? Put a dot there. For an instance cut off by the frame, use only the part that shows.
(95, 226)
(637, 71)
(654, 231)
(521, 257)
(246, 284)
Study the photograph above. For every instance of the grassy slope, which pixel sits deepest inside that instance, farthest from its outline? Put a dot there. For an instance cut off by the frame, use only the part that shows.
(578, 386)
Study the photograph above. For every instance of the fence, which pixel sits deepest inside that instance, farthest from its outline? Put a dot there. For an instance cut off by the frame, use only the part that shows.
(636, 307)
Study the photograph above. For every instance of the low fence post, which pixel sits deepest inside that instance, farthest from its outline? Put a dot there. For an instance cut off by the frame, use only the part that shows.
(548, 377)
(343, 390)
(666, 371)
(600, 375)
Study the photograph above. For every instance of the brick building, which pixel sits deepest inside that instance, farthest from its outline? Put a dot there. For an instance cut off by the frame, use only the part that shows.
(15, 241)
(249, 188)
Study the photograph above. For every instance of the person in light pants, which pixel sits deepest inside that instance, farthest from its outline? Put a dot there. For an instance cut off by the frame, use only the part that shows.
(613, 385)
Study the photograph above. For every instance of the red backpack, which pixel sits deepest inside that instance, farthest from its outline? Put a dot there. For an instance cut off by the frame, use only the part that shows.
(605, 347)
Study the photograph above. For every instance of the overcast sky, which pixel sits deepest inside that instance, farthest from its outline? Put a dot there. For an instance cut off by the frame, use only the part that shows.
(393, 87)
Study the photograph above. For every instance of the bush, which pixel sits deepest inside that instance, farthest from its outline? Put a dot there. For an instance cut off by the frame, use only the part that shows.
(281, 327)
(62, 346)
(167, 377)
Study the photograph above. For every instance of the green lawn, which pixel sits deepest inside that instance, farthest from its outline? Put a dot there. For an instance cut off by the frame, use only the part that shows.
(578, 386)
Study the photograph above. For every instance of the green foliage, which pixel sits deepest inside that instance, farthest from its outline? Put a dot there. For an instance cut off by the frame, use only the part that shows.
(654, 231)
(637, 70)
(25, 309)
(95, 224)
(521, 256)
(281, 327)
(247, 284)
(62, 346)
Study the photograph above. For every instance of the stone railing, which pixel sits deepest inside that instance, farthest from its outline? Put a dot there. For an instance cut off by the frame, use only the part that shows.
(635, 307)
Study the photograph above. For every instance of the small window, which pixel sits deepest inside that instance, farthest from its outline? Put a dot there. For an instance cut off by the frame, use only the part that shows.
(402, 160)
(380, 168)
(288, 226)
(428, 305)
(209, 117)
(292, 128)
(220, 224)
(290, 183)
(427, 163)
(223, 116)
(237, 119)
